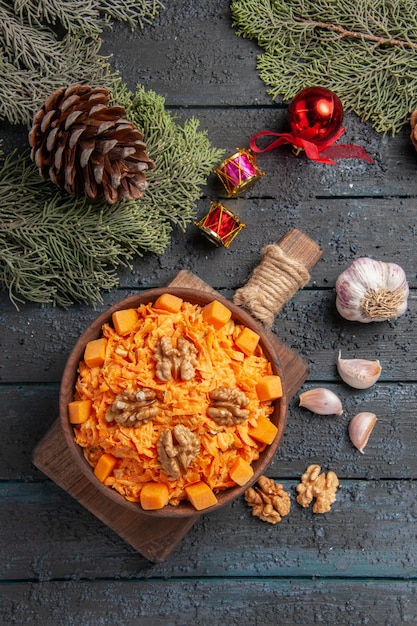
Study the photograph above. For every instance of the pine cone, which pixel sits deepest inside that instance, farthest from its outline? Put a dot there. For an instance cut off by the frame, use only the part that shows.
(85, 146)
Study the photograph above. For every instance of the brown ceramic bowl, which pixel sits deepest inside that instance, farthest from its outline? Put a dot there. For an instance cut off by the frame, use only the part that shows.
(184, 509)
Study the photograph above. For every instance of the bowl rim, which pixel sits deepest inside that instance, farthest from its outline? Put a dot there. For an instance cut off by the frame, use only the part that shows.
(93, 331)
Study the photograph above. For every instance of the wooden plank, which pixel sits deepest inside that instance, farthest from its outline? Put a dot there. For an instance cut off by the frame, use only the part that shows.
(289, 178)
(325, 439)
(38, 341)
(311, 325)
(369, 533)
(232, 602)
(345, 229)
(28, 412)
(220, 68)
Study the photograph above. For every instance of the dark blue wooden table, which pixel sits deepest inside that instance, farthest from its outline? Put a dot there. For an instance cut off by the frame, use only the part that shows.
(356, 564)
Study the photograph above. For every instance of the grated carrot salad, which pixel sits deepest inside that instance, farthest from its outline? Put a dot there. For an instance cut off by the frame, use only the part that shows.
(129, 364)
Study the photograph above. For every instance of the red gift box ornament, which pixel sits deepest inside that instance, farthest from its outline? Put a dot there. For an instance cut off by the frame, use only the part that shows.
(315, 117)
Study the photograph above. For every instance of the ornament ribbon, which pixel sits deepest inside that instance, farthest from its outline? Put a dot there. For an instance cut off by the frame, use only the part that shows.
(323, 153)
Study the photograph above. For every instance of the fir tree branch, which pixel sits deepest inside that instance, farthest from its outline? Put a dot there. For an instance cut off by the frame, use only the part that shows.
(131, 11)
(55, 248)
(378, 82)
(183, 153)
(27, 46)
(34, 60)
(22, 90)
(343, 32)
(75, 16)
(87, 16)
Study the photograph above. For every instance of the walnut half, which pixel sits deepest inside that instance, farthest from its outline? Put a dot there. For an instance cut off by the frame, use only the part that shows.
(269, 501)
(317, 485)
(176, 456)
(132, 408)
(175, 363)
(227, 406)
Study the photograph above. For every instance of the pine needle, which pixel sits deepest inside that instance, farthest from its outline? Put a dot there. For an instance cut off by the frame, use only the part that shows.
(363, 51)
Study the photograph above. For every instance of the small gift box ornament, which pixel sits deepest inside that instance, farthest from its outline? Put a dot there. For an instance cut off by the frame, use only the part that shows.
(239, 172)
(220, 225)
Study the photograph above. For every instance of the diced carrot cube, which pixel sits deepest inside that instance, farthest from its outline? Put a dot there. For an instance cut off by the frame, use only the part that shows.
(269, 388)
(124, 321)
(79, 411)
(200, 495)
(241, 471)
(247, 341)
(104, 466)
(168, 302)
(95, 352)
(264, 431)
(216, 314)
(154, 496)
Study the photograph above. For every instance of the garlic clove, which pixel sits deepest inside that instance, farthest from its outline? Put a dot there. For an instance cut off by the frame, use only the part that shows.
(358, 373)
(321, 401)
(371, 291)
(360, 428)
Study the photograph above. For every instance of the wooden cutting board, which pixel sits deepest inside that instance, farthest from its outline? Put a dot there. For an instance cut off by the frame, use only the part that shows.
(155, 538)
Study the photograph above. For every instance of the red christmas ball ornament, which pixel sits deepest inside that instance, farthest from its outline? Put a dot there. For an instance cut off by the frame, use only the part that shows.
(315, 114)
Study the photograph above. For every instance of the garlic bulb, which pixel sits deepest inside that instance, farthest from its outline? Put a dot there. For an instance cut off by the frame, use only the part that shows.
(358, 373)
(371, 291)
(321, 401)
(360, 428)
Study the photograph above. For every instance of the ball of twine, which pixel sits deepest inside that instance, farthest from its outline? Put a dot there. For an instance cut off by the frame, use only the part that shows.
(272, 283)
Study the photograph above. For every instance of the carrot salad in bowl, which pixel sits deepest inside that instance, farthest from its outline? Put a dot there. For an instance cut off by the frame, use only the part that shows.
(172, 403)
